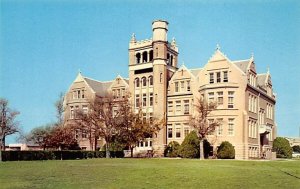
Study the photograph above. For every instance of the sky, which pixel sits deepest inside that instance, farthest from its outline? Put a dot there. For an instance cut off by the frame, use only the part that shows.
(43, 45)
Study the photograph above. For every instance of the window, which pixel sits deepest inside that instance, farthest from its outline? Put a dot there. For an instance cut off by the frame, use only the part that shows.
(230, 99)
(138, 58)
(211, 97)
(188, 86)
(178, 131)
(182, 86)
(137, 82)
(230, 127)
(137, 100)
(210, 121)
(150, 81)
(186, 107)
(76, 111)
(170, 131)
(218, 77)
(151, 99)
(170, 107)
(144, 99)
(144, 82)
(225, 76)
(161, 78)
(220, 98)
(176, 86)
(82, 94)
(78, 93)
(77, 134)
(74, 95)
(178, 107)
(211, 77)
(85, 109)
(186, 130)
(220, 127)
(118, 93)
(84, 134)
(71, 112)
(151, 117)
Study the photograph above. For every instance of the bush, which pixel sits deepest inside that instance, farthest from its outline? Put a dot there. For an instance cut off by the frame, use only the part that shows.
(172, 149)
(226, 151)
(282, 148)
(190, 146)
(51, 155)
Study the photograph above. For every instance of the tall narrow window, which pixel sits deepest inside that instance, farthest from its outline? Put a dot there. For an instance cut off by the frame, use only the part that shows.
(182, 86)
(150, 99)
(211, 77)
(144, 117)
(71, 112)
(170, 131)
(161, 78)
(151, 117)
(225, 76)
(82, 94)
(188, 86)
(150, 80)
(176, 87)
(145, 56)
(178, 130)
(144, 99)
(186, 129)
(220, 98)
(230, 99)
(144, 81)
(186, 107)
(137, 82)
(230, 127)
(218, 77)
(78, 93)
(220, 127)
(151, 55)
(137, 100)
(138, 58)
(178, 107)
(85, 109)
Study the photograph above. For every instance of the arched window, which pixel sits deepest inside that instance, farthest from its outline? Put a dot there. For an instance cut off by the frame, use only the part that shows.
(151, 55)
(171, 63)
(138, 58)
(145, 58)
(150, 80)
(137, 82)
(168, 58)
(144, 81)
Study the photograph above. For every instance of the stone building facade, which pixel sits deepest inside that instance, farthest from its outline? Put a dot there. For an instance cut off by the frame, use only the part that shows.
(156, 84)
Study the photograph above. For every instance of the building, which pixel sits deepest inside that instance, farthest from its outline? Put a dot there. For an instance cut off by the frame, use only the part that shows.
(159, 87)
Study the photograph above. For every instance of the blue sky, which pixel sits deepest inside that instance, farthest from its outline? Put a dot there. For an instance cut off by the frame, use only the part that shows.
(45, 43)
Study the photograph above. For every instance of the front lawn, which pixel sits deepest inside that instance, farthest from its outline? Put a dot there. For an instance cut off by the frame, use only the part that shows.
(150, 173)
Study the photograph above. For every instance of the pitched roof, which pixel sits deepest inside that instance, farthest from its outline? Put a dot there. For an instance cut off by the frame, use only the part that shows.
(242, 64)
(195, 71)
(261, 79)
(99, 87)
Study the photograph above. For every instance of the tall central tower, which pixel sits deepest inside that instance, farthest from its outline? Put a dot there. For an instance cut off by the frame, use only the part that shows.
(152, 62)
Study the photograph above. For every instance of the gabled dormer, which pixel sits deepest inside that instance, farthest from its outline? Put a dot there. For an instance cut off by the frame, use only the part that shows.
(119, 87)
(181, 80)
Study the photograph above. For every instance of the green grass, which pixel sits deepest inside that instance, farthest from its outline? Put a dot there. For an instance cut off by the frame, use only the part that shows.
(150, 173)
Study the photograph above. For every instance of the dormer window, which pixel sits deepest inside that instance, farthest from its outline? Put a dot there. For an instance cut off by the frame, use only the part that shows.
(188, 86)
(211, 77)
(218, 77)
(225, 76)
(176, 87)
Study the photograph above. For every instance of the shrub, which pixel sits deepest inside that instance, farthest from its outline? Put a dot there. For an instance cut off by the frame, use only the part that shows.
(190, 146)
(172, 149)
(282, 148)
(51, 155)
(226, 151)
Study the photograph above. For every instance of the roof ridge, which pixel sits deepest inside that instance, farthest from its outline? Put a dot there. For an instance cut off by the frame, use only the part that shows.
(98, 80)
(240, 60)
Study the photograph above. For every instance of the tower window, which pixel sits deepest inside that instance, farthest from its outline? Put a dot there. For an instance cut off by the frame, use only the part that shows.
(144, 81)
(137, 82)
(161, 78)
(150, 80)
(171, 59)
(151, 55)
(145, 56)
(168, 58)
(138, 58)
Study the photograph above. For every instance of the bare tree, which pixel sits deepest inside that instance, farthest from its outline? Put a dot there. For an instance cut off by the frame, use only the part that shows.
(101, 120)
(59, 106)
(8, 123)
(200, 121)
(133, 127)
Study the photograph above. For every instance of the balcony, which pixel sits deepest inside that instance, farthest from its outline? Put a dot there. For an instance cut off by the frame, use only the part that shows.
(264, 129)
